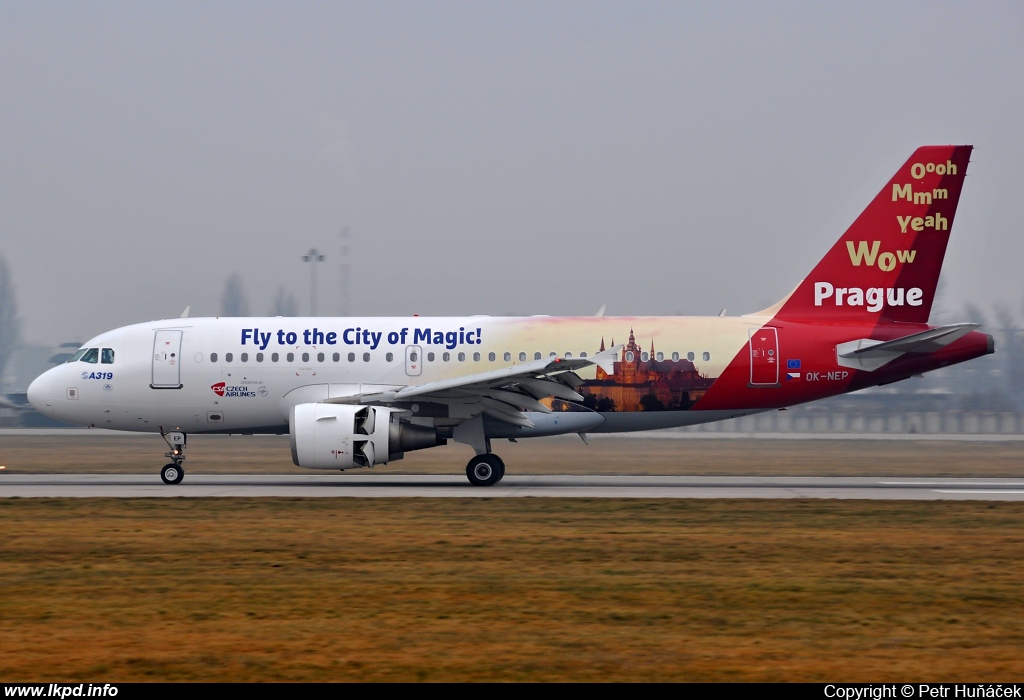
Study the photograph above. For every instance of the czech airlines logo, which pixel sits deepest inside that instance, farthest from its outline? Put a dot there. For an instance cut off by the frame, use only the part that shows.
(239, 392)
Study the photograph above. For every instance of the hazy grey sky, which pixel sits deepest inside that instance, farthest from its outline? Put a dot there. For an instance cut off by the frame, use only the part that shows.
(489, 157)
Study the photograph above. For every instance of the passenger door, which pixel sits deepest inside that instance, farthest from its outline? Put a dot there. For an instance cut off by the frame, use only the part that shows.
(413, 360)
(166, 360)
(764, 357)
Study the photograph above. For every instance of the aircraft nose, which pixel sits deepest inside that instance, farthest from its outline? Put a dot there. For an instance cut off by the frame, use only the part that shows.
(40, 392)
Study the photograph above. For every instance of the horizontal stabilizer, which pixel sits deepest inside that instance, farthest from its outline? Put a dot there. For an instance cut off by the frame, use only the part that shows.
(869, 354)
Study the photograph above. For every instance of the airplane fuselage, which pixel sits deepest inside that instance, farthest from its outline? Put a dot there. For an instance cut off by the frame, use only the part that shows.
(236, 374)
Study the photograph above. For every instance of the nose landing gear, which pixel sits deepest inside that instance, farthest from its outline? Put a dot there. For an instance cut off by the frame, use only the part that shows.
(173, 473)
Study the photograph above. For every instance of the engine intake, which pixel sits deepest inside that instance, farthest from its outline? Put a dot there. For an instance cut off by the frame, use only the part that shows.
(339, 436)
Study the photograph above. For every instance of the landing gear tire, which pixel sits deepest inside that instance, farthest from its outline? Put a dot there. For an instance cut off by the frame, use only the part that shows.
(485, 470)
(172, 474)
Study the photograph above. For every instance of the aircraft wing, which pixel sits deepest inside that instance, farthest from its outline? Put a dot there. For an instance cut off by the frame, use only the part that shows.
(502, 393)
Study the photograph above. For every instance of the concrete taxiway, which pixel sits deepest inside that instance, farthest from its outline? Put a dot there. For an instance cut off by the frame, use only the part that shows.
(553, 486)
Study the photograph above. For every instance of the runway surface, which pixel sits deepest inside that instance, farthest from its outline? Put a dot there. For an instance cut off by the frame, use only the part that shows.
(554, 486)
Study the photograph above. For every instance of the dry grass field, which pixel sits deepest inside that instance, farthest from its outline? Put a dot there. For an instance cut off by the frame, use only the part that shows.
(218, 454)
(518, 589)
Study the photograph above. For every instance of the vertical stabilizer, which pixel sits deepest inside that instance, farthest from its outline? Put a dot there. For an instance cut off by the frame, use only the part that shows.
(887, 264)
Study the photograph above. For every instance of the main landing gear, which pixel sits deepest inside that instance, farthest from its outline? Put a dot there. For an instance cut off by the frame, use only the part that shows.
(173, 473)
(485, 469)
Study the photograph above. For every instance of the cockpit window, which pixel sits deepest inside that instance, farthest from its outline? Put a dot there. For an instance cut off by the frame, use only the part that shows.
(77, 356)
(91, 355)
(107, 356)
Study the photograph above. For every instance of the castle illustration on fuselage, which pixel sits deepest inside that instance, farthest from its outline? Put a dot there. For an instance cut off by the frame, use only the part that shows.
(641, 382)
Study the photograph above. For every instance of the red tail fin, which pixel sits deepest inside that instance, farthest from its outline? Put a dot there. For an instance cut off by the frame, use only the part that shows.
(887, 263)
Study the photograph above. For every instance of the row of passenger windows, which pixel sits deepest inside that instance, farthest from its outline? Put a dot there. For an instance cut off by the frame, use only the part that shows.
(93, 355)
(432, 357)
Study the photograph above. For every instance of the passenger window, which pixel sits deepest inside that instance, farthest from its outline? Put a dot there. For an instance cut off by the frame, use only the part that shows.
(508, 357)
(536, 355)
(430, 357)
(77, 356)
(661, 356)
(675, 357)
(305, 357)
(336, 357)
(522, 357)
(476, 357)
(462, 357)
(274, 357)
(568, 355)
(583, 354)
(107, 356)
(390, 357)
(706, 356)
(351, 357)
(259, 357)
(290, 357)
(629, 356)
(91, 356)
(491, 356)
(244, 357)
(213, 357)
(552, 354)
(366, 357)
(320, 357)
(228, 357)
(447, 356)
(644, 356)
(689, 356)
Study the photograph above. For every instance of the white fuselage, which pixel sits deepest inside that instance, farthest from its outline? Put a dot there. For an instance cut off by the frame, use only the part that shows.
(232, 375)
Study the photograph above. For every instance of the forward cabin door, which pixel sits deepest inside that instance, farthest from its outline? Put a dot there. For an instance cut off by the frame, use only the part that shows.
(764, 357)
(166, 360)
(413, 360)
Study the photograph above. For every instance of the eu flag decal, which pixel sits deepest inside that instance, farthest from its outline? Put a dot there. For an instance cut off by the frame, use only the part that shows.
(792, 364)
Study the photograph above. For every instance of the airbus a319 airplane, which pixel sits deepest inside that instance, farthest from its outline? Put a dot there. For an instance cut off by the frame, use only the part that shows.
(356, 392)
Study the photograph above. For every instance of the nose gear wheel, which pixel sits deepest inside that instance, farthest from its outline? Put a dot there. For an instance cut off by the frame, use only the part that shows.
(172, 474)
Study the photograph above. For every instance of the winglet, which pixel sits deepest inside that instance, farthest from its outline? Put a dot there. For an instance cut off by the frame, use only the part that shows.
(600, 312)
(184, 314)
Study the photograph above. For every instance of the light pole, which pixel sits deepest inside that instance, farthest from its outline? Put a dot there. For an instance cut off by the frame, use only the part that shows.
(313, 256)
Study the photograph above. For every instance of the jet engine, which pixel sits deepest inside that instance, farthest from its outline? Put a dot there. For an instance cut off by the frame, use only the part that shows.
(341, 436)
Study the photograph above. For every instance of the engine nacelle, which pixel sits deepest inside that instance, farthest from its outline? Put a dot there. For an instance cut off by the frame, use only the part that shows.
(342, 436)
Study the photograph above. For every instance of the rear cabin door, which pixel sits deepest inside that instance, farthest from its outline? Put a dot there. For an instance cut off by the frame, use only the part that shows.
(764, 357)
(166, 360)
